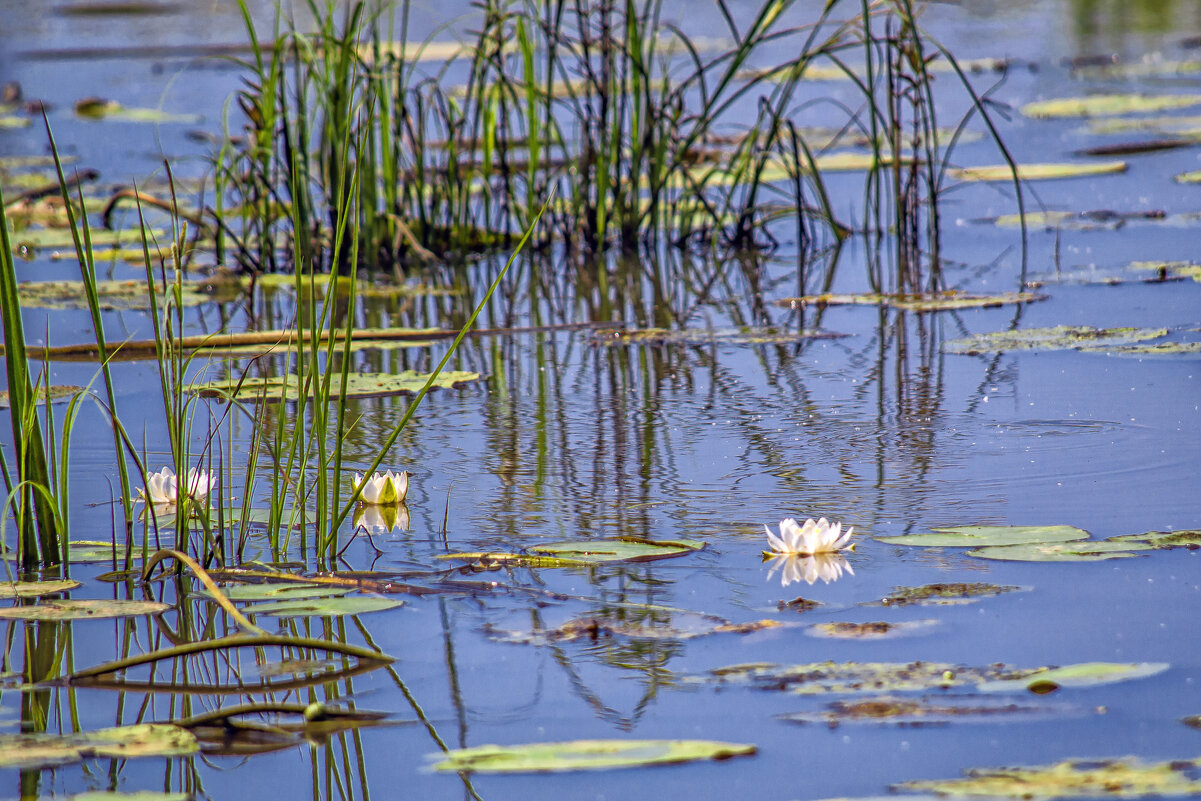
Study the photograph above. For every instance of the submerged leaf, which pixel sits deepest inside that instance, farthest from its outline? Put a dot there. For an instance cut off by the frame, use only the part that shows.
(978, 536)
(78, 610)
(1107, 105)
(359, 385)
(1061, 337)
(1077, 778)
(585, 755)
(1037, 172)
(125, 742)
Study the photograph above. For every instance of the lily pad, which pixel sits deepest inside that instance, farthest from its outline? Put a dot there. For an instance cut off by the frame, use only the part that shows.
(1076, 778)
(1085, 674)
(277, 592)
(1174, 269)
(125, 742)
(1094, 220)
(587, 552)
(82, 551)
(1037, 172)
(359, 385)
(899, 711)
(942, 594)
(979, 536)
(323, 607)
(930, 301)
(876, 630)
(585, 755)
(1061, 337)
(58, 394)
(1089, 551)
(36, 589)
(682, 625)
(702, 336)
(1189, 538)
(112, 294)
(1157, 349)
(80, 610)
(96, 108)
(1107, 105)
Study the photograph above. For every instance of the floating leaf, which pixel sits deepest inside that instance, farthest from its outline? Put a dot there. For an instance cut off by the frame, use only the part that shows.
(323, 607)
(97, 108)
(80, 610)
(277, 592)
(1107, 105)
(1085, 674)
(1061, 337)
(1190, 177)
(682, 625)
(1158, 349)
(1096, 220)
(81, 551)
(979, 536)
(58, 394)
(1136, 148)
(1076, 778)
(585, 755)
(928, 301)
(701, 336)
(125, 742)
(587, 552)
(1037, 172)
(1174, 269)
(36, 589)
(876, 630)
(942, 594)
(1090, 551)
(918, 712)
(859, 677)
(359, 385)
(1189, 538)
(112, 294)
(1175, 124)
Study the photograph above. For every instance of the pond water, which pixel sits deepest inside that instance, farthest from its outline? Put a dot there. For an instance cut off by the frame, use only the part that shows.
(573, 436)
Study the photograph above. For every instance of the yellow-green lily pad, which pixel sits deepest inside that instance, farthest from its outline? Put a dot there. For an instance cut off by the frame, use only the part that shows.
(1190, 177)
(586, 552)
(81, 610)
(1169, 269)
(981, 536)
(1188, 538)
(942, 594)
(1088, 551)
(36, 589)
(1075, 778)
(1096, 220)
(81, 551)
(1085, 674)
(284, 591)
(111, 294)
(359, 385)
(1061, 337)
(584, 755)
(1037, 172)
(1157, 349)
(96, 108)
(125, 742)
(1107, 105)
(323, 607)
(58, 394)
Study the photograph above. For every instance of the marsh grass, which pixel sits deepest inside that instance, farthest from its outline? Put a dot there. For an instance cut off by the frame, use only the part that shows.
(624, 114)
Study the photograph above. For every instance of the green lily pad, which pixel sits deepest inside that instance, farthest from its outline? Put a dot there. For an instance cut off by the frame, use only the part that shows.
(82, 551)
(359, 385)
(1107, 105)
(111, 294)
(95, 108)
(979, 536)
(125, 742)
(59, 393)
(942, 594)
(1179, 125)
(586, 552)
(1061, 337)
(1190, 177)
(1089, 551)
(848, 678)
(36, 589)
(286, 591)
(1085, 674)
(702, 336)
(1037, 172)
(585, 755)
(1189, 538)
(80, 610)
(1076, 778)
(1095, 220)
(930, 301)
(57, 238)
(9, 121)
(323, 607)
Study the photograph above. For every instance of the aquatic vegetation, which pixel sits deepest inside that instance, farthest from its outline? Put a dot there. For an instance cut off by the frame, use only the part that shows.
(162, 488)
(585, 755)
(809, 538)
(1073, 778)
(383, 489)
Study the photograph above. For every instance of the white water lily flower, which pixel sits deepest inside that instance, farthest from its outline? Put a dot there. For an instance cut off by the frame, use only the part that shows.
(827, 567)
(376, 519)
(813, 537)
(162, 488)
(383, 488)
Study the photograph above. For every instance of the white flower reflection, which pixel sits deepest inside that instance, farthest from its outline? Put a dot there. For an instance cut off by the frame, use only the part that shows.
(825, 566)
(376, 519)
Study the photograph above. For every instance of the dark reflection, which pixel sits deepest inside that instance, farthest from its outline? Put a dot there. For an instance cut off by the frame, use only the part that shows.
(1110, 25)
